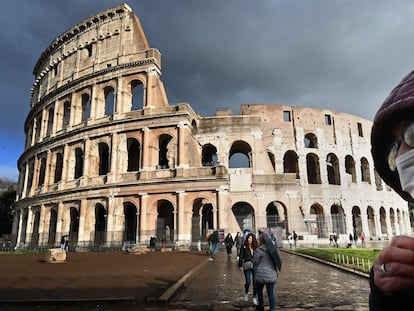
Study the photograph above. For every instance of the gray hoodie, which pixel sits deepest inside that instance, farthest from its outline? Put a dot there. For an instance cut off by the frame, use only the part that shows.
(265, 268)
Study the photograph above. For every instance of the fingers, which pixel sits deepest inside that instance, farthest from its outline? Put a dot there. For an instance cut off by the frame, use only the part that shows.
(401, 250)
(395, 277)
(394, 266)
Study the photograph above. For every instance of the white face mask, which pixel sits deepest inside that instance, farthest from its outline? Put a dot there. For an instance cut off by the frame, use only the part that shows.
(405, 167)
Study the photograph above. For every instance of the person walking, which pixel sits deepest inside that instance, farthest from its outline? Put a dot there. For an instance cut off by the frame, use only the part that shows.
(295, 237)
(290, 240)
(267, 265)
(214, 240)
(228, 241)
(335, 238)
(392, 147)
(238, 240)
(246, 265)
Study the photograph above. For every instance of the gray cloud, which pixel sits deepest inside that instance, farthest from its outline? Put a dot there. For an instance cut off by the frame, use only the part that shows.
(341, 55)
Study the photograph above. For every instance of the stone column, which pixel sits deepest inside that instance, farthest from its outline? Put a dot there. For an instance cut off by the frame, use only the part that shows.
(29, 226)
(83, 233)
(377, 224)
(86, 160)
(182, 154)
(111, 176)
(144, 234)
(65, 168)
(146, 151)
(43, 225)
(182, 235)
(48, 169)
(19, 230)
(364, 223)
(60, 224)
(25, 179)
(218, 208)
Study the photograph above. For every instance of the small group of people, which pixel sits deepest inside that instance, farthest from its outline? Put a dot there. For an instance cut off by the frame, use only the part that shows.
(64, 243)
(261, 264)
(257, 258)
(333, 239)
(292, 238)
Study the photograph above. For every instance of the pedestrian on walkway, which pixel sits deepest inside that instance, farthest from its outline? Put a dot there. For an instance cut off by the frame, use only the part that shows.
(267, 265)
(351, 239)
(214, 240)
(290, 240)
(238, 240)
(363, 239)
(228, 241)
(246, 265)
(295, 237)
(335, 238)
(67, 242)
(392, 147)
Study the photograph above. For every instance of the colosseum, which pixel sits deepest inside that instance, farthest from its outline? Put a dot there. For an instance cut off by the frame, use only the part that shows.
(111, 163)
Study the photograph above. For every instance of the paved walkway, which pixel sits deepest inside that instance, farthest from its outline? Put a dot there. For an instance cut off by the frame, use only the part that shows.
(218, 285)
(303, 285)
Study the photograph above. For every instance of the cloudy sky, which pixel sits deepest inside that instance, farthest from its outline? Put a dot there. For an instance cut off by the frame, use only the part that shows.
(338, 54)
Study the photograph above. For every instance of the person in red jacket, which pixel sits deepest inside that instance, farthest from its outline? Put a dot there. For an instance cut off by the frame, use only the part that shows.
(392, 148)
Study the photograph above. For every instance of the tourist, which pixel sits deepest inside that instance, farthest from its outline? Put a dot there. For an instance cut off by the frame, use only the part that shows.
(295, 237)
(67, 242)
(392, 146)
(335, 238)
(238, 240)
(62, 242)
(246, 265)
(290, 240)
(228, 241)
(214, 240)
(267, 265)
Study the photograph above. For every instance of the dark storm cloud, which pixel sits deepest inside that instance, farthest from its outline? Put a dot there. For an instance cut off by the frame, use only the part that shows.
(343, 55)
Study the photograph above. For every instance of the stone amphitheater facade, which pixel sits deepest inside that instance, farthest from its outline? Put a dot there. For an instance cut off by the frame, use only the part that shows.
(111, 163)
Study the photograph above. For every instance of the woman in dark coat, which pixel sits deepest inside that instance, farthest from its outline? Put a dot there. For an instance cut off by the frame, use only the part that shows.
(246, 265)
(228, 241)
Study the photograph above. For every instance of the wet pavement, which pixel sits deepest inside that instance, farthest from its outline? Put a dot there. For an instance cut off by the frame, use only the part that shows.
(303, 284)
(218, 285)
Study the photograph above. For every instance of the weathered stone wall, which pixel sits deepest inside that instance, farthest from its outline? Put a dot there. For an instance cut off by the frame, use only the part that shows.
(111, 174)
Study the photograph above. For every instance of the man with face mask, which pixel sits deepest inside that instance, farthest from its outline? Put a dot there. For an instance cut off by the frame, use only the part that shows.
(392, 140)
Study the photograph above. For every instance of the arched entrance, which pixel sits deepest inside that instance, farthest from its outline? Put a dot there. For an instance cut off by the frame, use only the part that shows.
(100, 225)
(244, 214)
(317, 224)
(356, 221)
(202, 219)
(165, 222)
(52, 228)
(130, 221)
(74, 226)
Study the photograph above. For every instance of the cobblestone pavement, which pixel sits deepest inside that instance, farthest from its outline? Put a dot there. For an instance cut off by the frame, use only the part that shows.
(303, 285)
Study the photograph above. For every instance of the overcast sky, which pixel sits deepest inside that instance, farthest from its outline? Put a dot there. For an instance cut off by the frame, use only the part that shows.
(341, 55)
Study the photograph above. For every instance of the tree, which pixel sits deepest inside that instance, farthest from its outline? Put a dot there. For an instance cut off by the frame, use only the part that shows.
(6, 210)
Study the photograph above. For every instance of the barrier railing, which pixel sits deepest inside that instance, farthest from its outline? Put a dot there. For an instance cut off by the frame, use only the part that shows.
(358, 263)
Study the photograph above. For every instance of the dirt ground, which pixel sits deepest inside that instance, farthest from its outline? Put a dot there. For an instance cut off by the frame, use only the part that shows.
(93, 275)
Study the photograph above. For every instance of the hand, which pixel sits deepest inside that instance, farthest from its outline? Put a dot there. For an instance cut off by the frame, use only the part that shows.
(397, 259)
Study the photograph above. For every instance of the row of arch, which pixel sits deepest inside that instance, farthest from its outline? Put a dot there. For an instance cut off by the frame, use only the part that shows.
(79, 108)
(202, 220)
(291, 165)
